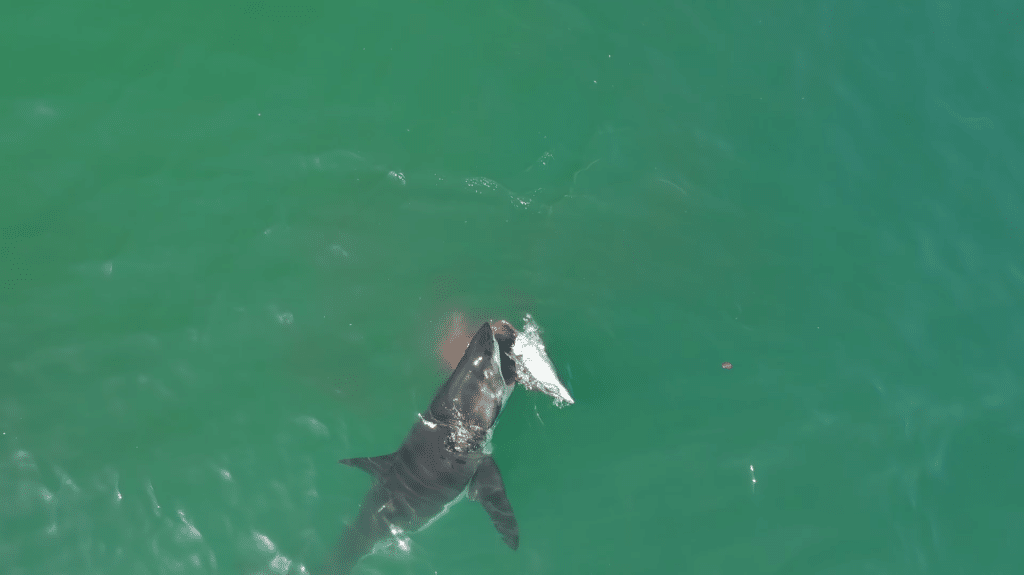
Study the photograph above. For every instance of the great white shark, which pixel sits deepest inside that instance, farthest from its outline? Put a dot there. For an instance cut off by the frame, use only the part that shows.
(446, 454)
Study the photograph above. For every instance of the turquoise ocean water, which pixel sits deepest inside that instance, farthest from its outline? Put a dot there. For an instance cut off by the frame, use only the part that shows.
(231, 235)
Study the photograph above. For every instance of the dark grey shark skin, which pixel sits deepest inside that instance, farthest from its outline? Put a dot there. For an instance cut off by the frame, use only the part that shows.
(442, 455)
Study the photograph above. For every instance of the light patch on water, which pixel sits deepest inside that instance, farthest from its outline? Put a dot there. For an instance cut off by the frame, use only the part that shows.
(263, 542)
(974, 123)
(152, 498)
(188, 531)
(282, 317)
(541, 161)
(44, 109)
(672, 185)
(1017, 274)
(24, 461)
(280, 564)
(580, 171)
(66, 480)
(944, 9)
(314, 426)
(343, 160)
(39, 113)
(478, 182)
(397, 177)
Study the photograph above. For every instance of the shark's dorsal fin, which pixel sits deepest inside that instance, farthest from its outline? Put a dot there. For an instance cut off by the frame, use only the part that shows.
(488, 488)
(375, 466)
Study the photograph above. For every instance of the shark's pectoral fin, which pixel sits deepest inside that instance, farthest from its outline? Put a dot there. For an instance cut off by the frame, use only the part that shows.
(375, 466)
(488, 488)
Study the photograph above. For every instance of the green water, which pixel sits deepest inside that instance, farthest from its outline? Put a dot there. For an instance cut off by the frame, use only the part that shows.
(230, 235)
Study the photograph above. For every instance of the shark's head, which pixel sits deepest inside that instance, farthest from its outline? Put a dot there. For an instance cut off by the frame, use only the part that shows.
(469, 403)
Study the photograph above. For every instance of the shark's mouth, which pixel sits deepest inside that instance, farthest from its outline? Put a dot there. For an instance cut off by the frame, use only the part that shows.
(533, 368)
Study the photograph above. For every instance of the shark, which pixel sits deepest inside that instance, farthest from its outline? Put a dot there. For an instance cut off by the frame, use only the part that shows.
(446, 456)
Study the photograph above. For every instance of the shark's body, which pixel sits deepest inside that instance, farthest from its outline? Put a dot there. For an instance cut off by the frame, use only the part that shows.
(445, 454)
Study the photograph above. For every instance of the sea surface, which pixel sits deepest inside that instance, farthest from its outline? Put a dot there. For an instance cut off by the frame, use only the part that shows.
(775, 249)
